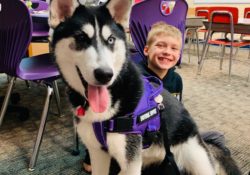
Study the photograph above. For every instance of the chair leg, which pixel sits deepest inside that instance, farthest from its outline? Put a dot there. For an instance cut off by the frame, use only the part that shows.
(8, 78)
(193, 38)
(208, 50)
(230, 63)
(188, 38)
(236, 52)
(223, 48)
(76, 150)
(203, 56)
(197, 45)
(57, 95)
(27, 84)
(6, 99)
(39, 137)
(204, 42)
(189, 47)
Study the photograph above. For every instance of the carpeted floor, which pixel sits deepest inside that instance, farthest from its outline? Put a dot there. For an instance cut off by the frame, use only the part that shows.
(212, 102)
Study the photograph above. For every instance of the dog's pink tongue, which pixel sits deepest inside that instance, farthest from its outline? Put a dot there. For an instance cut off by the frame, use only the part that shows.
(98, 98)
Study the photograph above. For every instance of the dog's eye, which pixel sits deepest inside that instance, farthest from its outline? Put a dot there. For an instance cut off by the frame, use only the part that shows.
(79, 35)
(81, 40)
(111, 40)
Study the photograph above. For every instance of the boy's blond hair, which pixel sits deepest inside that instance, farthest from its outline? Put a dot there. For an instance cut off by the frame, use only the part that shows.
(160, 28)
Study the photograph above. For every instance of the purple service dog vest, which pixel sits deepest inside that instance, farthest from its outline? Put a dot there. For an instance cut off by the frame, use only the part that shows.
(146, 116)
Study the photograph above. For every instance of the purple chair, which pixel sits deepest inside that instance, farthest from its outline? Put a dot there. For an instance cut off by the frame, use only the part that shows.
(15, 37)
(40, 28)
(148, 12)
(40, 21)
(39, 5)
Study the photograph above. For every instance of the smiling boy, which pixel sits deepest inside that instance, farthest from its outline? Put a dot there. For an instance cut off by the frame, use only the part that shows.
(163, 49)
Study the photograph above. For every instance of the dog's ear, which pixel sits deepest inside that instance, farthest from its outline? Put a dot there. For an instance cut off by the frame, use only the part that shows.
(120, 11)
(60, 10)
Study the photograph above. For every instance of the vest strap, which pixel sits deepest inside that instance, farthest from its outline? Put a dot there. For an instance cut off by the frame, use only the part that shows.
(145, 118)
(119, 124)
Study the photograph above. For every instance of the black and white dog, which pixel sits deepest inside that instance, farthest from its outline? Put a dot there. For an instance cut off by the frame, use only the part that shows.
(91, 52)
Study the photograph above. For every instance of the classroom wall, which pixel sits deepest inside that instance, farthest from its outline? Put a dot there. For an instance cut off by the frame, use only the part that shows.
(241, 7)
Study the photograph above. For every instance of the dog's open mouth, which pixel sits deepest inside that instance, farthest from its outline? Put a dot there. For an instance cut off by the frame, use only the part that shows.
(97, 96)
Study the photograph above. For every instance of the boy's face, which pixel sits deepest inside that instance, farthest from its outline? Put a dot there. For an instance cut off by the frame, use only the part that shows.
(163, 53)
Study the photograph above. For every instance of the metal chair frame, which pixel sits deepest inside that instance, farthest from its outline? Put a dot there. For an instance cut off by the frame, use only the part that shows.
(248, 78)
(245, 16)
(209, 40)
(18, 67)
(193, 34)
(209, 37)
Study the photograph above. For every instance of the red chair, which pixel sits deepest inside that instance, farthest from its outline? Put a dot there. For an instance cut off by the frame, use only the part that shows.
(224, 17)
(228, 15)
(202, 11)
(246, 15)
(247, 12)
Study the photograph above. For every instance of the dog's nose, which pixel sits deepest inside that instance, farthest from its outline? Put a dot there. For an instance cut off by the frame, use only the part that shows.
(103, 75)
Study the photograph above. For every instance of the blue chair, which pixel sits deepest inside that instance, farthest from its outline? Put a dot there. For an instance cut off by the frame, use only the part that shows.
(148, 12)
(15, 37)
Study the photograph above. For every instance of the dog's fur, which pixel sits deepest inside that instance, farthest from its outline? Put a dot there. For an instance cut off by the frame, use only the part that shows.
(90, 49)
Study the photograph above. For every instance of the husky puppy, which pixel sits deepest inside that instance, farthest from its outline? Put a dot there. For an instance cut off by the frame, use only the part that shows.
(91, 52)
